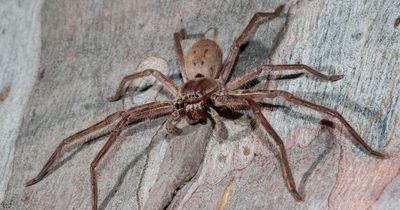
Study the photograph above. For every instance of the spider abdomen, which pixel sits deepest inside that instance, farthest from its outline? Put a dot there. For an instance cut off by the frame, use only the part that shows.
(203, 59)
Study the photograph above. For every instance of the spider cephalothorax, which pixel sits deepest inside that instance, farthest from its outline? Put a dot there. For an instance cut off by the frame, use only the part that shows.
(195, 94)
(206, 89)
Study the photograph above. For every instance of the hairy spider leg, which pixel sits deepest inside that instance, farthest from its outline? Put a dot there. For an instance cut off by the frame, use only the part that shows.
(112, 139)
(134, 114)
(234, 50)
(179, 53)
(237, 102)
(107, 121)
(286, 171)
(295, 100)
(247, 76)
(150, 110)
(153, 72)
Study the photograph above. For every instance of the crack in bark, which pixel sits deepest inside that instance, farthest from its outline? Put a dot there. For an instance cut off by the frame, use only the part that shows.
(179, 188)
(151, 145)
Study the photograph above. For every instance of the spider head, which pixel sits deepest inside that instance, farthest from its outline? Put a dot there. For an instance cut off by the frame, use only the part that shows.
(195, 108)
(195, 94)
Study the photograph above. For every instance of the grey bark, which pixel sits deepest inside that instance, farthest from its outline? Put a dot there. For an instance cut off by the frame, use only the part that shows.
(19, 56)
(86, 47)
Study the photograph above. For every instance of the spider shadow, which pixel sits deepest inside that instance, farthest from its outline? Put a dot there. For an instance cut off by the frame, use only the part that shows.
(253, 54)
(328, 145)
(75, 148)
(304, 180)
(288, 111)
(160, 136)
(156, 139)
(368, 113)
(323, 151)
(232, 114)
(71, 151)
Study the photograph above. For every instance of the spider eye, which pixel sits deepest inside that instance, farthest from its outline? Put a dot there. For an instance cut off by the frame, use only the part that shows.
(199, 75)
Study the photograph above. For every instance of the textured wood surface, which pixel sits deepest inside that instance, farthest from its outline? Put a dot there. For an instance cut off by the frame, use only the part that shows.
(88, 46)
(19, 55)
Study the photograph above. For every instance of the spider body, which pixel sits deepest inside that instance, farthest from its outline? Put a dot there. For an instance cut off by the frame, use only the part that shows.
(203, 60)
(206, 88)
(195, 94)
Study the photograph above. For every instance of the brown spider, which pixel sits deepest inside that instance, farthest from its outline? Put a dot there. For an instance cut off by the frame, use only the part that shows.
(205, 89)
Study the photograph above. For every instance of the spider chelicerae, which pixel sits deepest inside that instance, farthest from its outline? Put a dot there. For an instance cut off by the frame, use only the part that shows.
(206, 89)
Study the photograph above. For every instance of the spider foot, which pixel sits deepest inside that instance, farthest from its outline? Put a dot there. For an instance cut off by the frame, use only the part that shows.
(31, 182)
(380, 155)
(113, 98)
(335, 77)
(279, 9)
(297, 196)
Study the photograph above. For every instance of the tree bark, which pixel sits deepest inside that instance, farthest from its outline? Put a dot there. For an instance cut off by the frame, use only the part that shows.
(86, 47)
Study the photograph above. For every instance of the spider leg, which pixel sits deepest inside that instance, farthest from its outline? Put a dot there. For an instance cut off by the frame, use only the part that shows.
(170, 125)
(157, 74)
(286, 171)
(219, 124)
(135, 114)
(295, 100)
(107, 121)
(113, 137)
(234, 50)
(229, 101)
(247, 76)
(179, 53)
(238, 102)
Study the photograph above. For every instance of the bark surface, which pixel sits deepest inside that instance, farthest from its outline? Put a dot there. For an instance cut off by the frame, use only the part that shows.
(86, 47)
